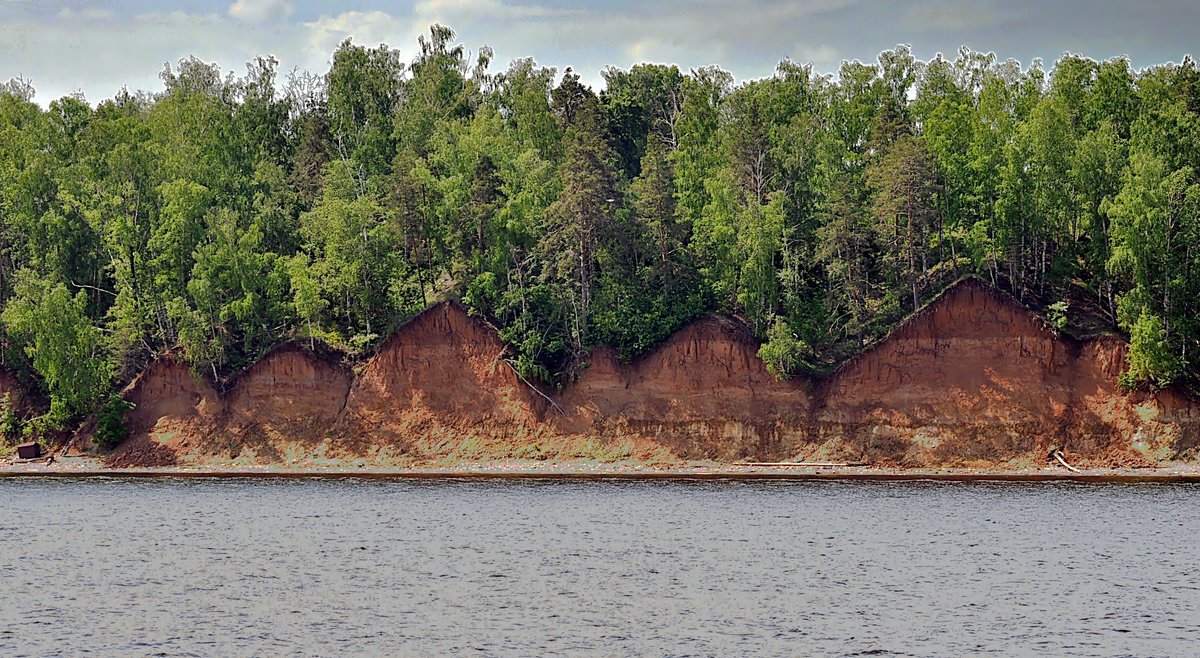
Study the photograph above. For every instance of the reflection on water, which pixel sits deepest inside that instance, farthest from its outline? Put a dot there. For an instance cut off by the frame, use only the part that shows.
(545, 567)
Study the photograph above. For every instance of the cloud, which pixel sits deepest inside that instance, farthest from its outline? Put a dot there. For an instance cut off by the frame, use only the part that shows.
(258, 11)
(63, 52)
(99, 47)
(823, 57)
(472, 9)
(954, 16)
(366, 28)
(87, 13)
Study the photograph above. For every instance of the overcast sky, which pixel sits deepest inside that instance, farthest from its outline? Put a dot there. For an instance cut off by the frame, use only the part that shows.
(65, 46)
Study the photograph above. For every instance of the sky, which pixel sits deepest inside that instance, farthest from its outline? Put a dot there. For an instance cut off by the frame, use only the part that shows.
(67, 46)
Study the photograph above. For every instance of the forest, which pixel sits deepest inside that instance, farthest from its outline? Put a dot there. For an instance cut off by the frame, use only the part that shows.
(223, 214)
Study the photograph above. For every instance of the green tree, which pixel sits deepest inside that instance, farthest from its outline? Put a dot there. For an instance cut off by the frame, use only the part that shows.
(1151, 358)
(783, 352)
(905, 188)
(581, 219)
(62, 344)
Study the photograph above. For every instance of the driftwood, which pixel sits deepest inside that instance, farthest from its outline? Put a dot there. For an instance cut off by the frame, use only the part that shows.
(1057, 455)
(46, 459)
(808, 464)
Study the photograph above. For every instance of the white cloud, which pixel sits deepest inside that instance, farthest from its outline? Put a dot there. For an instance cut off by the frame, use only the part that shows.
(257, 11)
(88, 13)
(367, 28)
(66, 52)
(472, 9)
(103, 51)
(823, 57)
(65, 45)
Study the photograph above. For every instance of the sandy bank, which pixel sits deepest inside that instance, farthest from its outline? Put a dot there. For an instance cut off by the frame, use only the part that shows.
(93, 467)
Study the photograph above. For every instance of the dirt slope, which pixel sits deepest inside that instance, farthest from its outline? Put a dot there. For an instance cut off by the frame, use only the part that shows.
(284, 406)
(439, 386)
(17, 396)
(974, 379)
(703, 393)
(174, 414)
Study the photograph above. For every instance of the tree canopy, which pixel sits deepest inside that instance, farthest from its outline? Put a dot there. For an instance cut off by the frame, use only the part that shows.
(223, 214)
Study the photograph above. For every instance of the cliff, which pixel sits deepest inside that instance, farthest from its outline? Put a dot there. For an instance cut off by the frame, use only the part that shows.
(703, 393)
(439, 387)
(18, 400)
(973, 379)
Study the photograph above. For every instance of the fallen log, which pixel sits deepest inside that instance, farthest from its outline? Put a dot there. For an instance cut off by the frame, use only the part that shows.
(44, 459)
(1057, 454)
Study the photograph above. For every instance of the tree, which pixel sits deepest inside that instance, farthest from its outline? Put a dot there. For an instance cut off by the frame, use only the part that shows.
(364, 89)
(111, 429)
(306, 294)
(783, 352)
(581, 219)
(1151, 359)
(354, 252)
(220, 214)
(61, 342)
(905, 189)
(1155, 229)
(440, 89)
(697, 157)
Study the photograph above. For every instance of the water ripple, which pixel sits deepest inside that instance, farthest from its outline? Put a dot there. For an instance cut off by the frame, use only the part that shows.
(605, 568)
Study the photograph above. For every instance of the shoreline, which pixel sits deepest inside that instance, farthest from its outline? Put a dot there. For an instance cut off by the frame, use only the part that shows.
(82, 467)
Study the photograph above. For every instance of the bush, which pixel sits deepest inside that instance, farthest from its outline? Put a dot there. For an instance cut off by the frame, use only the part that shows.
(110, 425)
(57, 335)
(783, 352)
(1151, 360)
(1056, 313)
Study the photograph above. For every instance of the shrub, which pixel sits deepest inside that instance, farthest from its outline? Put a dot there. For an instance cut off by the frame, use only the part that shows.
(1151, 360)
(110, 424)
(1056, 313)
(783, 352)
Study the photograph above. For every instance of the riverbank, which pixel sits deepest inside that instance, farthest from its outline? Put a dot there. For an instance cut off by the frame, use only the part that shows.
(93, 467)
(972, 380)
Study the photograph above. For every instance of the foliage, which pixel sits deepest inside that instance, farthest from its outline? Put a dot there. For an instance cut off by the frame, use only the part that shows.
(110, 422)
(783, 352)
(61, 342)
(1150, 359)
(223, 214)
(10, 422)
(1056, 313)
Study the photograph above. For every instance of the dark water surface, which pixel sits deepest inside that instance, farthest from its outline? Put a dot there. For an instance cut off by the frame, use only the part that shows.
(239, 567)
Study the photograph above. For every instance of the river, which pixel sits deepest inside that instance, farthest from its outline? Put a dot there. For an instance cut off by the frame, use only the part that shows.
(183, 567)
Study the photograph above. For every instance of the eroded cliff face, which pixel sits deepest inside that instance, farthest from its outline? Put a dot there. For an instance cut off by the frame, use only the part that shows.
(439, 386)
(703, 393)
(283, 407)
(280, 409)
(17, 397)
(974, 379)
(172, 417)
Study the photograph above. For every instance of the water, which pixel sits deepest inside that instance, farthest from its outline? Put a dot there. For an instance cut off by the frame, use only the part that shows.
(607, 568)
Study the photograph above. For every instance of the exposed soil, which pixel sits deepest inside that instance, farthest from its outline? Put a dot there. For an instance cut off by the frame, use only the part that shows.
(973, 381)
(439, 388)
(17, 397)
(703, 393)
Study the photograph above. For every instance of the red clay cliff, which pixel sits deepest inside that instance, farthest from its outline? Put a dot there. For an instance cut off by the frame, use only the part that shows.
(973, 379)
